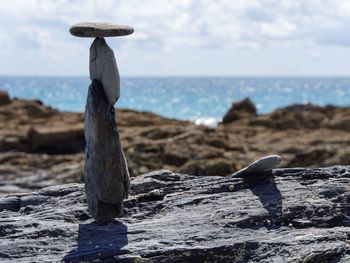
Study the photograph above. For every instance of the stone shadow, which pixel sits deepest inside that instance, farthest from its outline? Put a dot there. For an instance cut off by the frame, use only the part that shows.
(265, 188)
(99, 242)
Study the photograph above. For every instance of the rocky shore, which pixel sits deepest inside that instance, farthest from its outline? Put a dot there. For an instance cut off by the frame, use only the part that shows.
(40, 146)
(287, 215)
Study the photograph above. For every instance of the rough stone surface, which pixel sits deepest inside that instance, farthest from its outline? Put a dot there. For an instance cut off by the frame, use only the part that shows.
(41, 138)
(288, 215)
(263, 164)
(88, 29)
(103, 67)
(106, 172)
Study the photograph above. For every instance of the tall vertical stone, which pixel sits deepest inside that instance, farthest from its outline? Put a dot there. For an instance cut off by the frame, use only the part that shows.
(106, 170)
(106, 173)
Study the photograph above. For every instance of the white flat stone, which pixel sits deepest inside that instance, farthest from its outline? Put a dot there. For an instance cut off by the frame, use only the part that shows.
(90, 29)
(264, 164)
(103, 67)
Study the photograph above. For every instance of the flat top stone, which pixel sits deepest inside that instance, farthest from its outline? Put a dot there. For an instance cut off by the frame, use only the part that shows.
(88, 29)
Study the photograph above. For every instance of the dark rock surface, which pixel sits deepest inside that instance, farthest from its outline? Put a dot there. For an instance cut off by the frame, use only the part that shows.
(291, 215)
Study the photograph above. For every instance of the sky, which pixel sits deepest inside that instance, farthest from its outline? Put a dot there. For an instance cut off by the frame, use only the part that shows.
(180, 37)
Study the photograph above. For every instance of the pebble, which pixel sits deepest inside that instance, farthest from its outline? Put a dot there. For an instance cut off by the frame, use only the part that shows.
(264, 164)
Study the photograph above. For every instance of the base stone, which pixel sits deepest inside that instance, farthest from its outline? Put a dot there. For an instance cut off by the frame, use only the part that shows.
(106, 172)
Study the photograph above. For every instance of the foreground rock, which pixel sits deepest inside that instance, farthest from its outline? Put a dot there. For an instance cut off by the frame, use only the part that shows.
(297, 215)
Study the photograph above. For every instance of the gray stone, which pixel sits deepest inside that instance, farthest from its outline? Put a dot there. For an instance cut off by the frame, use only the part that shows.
(103, 67)
(88, 29)
(264, 164)
(295, 215)
(106, 173)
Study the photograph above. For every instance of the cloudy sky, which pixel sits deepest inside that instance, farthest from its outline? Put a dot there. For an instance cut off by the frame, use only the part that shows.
(181, 37)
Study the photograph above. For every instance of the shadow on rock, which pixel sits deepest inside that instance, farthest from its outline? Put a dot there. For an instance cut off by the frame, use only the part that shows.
(265, 188)
(99, 242)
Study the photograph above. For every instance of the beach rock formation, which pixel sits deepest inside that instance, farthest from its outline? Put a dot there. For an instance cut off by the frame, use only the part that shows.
(4, 97)
(240, 110)
(304, 135)
(288, 215)
(106, 172)
(103, 67)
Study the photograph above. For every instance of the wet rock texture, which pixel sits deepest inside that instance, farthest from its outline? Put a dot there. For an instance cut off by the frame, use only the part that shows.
(289, 215)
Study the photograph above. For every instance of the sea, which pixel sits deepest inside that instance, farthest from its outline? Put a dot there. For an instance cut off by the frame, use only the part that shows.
(203, 100)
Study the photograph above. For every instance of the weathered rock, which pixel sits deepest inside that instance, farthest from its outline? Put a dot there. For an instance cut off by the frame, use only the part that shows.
(4, 97)
(261, 165)
(311, 157)
(215, 166)
(106, 173)
(154, 142)
(103, 67)
(240, 110)
(289, 215)
(88, 29)
(25, 172)
(304, 116)
(56, 138)
(340, 122)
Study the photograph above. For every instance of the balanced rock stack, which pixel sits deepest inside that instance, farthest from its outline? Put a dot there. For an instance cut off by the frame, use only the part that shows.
(106, 172)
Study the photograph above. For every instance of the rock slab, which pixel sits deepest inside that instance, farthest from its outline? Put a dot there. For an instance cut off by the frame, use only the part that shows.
(103, 67)
(106, 172)
(289, 215)
(90, 29)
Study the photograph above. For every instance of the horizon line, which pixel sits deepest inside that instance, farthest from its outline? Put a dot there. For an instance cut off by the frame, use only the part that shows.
(182, 76)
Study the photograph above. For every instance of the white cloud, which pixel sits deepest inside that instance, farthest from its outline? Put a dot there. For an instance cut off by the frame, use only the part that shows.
(40, 27)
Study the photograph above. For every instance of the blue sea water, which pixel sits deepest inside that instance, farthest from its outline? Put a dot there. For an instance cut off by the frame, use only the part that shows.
(204, 100)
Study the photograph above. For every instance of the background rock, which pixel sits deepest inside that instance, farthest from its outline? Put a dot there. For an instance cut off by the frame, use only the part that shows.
(4, 97)
(151, 142)
(240, 110)
(293, 215)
